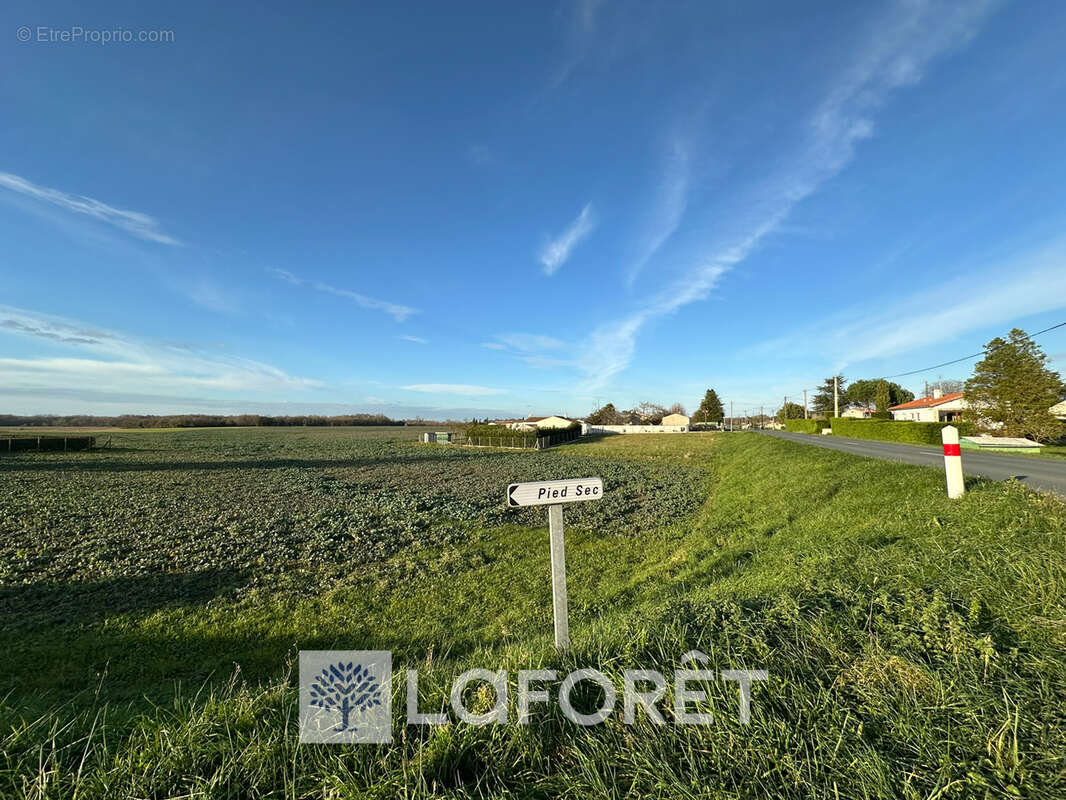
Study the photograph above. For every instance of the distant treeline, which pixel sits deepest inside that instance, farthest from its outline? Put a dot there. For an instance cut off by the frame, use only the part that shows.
(194, 420)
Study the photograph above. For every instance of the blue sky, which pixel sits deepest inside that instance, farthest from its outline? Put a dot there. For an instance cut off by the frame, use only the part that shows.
(449, 209)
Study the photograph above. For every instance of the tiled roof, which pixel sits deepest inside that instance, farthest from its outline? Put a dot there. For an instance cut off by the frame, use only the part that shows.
(927, 402)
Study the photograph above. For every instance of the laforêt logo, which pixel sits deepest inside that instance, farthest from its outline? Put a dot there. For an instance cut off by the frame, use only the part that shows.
(345, 696)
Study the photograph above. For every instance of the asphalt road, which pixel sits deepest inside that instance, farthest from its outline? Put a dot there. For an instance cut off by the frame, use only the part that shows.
(1046, 474)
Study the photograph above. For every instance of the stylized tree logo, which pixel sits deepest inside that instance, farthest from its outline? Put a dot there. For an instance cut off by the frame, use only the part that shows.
(345, 688)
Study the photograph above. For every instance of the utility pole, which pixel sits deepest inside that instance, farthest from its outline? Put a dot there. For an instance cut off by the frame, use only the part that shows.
(805, 404)
(762, 419)
(730, 416)
(836, 398)
(784, 411)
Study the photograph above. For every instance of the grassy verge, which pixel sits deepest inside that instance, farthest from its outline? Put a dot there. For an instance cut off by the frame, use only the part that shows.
(915, 645)
(1048, 450)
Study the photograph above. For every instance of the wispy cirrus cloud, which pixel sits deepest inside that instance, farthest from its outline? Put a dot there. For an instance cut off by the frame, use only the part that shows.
(530, 342)
(413, 339)
(134, 223)
(671, 200)
(942, 313)
(535, 349)
(127, 364)
(894, 54)
(398, 312)
(465, 389)
(557, 251)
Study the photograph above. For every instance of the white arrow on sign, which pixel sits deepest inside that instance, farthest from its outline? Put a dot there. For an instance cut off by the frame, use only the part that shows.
(549, 493)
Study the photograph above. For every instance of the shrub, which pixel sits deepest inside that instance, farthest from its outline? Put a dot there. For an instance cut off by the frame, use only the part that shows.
(497, 432)
(806, 425)
(502, 436)
(895, 431)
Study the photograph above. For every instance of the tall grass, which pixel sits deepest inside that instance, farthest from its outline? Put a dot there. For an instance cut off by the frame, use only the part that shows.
(915, 647)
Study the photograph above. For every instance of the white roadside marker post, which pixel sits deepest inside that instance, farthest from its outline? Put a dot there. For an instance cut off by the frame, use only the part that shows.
(953, 461)
(553, 494)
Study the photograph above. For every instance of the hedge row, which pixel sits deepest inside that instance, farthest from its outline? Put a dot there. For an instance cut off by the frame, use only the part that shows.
(502, 432)
(806, 425)
(895, 431)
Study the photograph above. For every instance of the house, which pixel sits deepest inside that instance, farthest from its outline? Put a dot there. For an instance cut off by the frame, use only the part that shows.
(678, 420)
(859, 413)
(1059, 410)
(536, 423)
(554, 421)
(937, 408)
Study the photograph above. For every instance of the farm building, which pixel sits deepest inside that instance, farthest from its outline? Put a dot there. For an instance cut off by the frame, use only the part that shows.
(679, 420)
(1059, 410)
(937, 408)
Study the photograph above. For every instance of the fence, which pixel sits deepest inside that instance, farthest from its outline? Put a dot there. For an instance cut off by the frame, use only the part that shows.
(593, 430)
(20, 444)
(531, 441)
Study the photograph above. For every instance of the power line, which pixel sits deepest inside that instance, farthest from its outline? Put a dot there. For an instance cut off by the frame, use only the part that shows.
(967, 358)
(983, 352)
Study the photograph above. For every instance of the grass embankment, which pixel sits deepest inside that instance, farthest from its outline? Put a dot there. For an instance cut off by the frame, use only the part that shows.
(914, 644)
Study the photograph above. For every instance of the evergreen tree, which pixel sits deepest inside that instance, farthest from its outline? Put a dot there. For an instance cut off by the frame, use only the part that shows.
(608, 415)
(710, 409)
(883, 396)
(823, 399)
(1012, 390)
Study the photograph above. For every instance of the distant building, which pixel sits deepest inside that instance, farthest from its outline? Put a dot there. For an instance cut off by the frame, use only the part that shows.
(679, 420)
(937, 408)
(551, 422)
(1059, 410)
(859, 413)
(535, 423)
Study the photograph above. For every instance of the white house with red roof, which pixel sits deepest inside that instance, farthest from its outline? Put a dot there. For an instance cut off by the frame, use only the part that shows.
(937, 408)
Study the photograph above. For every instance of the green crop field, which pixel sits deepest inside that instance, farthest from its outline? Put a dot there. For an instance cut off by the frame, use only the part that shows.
(154, 597)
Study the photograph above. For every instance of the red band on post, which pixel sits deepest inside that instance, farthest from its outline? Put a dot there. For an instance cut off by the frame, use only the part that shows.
(952, 450)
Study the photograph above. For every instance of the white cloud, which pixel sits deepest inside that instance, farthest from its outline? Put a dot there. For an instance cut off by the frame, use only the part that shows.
(127, 364)
(557, 251)
(530, 348)
(896, 54)
(530, 342)
(546, 362)
(134, 223)
(399, 312)
(453, 388)
(413, 339)
(207, 294)
(671, 200)
(1030, 284)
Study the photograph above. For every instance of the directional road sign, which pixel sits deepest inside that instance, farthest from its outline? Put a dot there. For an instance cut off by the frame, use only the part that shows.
(553, 494)
(549, 493)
